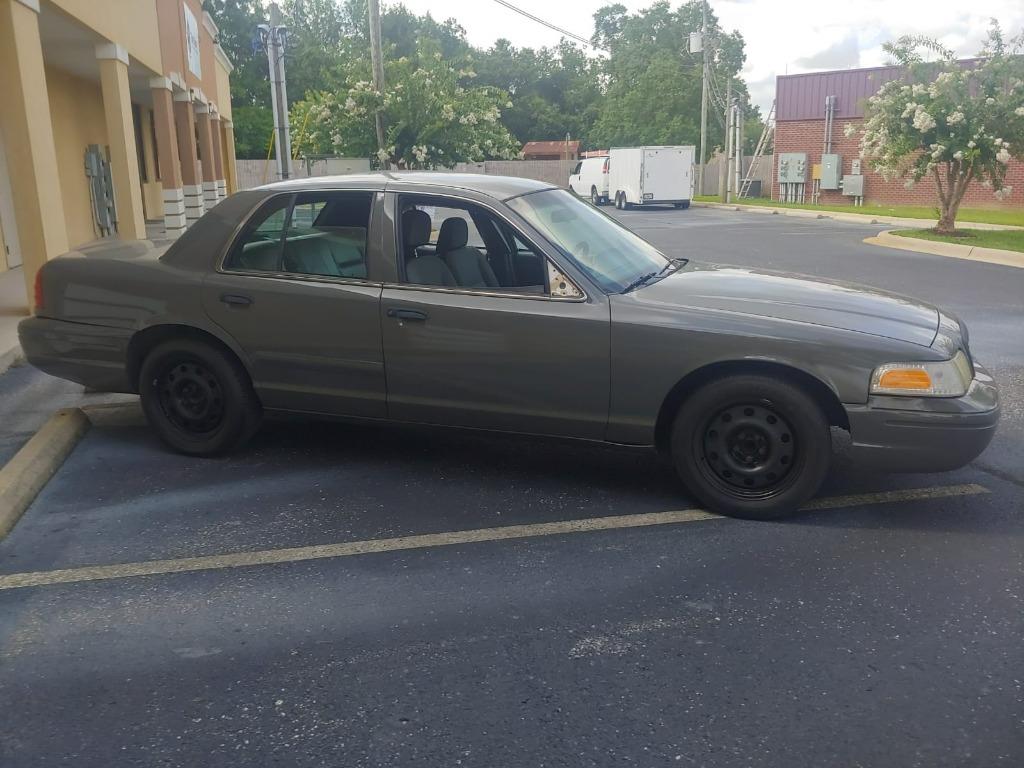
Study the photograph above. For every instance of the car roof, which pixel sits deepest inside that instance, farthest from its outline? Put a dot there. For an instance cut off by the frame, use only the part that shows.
(501, 187)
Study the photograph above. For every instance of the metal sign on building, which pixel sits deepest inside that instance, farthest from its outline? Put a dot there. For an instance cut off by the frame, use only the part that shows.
(192, 42)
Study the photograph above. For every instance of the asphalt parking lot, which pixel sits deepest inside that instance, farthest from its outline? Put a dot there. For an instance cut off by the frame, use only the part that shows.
(365, 602)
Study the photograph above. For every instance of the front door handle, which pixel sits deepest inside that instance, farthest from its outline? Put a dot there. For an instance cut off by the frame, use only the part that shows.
(407, 314)
(236, 299)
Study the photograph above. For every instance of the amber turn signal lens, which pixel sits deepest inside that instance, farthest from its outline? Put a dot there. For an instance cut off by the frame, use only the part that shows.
(905, 378)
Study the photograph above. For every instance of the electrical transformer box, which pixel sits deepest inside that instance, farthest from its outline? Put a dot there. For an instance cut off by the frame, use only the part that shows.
(793, 168)
(831, 170)
(853, 185)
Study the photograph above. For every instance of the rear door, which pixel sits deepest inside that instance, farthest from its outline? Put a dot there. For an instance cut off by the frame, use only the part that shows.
(297, 291)
(666, 174)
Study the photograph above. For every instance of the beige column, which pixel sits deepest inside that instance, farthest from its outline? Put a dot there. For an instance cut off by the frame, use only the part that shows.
(228, 147)
(185, 127)
(124, 158)
(167, 152)
(28, 139)
(206, 156)
(218, 155)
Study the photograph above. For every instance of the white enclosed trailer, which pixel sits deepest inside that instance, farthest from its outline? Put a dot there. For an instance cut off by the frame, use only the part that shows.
(651, 176)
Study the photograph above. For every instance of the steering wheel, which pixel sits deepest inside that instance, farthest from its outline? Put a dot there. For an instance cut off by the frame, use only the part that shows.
(582, 249)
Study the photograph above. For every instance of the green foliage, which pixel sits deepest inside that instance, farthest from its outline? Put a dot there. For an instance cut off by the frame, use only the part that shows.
(433, 114)
(645, 89)
(951, 122)
(253, 128)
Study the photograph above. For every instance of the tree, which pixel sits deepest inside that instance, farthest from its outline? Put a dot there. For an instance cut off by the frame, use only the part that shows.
(954, 122)
(653, 87)
(433, 114)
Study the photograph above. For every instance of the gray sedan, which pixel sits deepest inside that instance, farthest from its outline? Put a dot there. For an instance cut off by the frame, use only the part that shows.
(506, 304)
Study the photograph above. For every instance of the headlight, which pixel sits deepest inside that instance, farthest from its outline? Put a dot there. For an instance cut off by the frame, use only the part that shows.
(948, 378)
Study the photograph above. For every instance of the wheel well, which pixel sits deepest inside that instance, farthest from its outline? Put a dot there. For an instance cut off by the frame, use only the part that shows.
(813, 386)
(145, 340)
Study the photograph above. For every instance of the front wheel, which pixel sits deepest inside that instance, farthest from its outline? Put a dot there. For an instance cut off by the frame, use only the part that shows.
(751, 446)
(198, 399)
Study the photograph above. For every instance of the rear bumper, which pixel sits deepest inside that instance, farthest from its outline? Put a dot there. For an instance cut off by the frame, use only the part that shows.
(898, 434)
(93, 355)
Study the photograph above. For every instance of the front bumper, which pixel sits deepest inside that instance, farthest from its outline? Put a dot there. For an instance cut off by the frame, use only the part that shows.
(905, 434)
(93, 355)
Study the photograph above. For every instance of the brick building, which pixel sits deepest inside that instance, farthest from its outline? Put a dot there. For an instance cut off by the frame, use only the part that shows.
(800, 127)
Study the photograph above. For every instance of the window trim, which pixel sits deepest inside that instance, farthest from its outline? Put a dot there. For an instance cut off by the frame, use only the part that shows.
(233, 241)
(400, 258)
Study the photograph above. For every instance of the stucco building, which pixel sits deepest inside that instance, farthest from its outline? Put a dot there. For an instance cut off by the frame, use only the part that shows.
(115, 113)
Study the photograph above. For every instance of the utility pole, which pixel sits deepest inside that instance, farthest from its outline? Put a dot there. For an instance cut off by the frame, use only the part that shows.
(703, 96)
(723, 170)
(274, 38)
(377, 63)
(737, 145)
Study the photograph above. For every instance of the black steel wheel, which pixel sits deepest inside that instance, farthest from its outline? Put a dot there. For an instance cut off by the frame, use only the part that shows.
(751, 446)
(750, 449)
(197, 397)
(595, 197)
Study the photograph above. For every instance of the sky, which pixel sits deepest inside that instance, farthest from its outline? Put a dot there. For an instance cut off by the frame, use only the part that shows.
(782, 36)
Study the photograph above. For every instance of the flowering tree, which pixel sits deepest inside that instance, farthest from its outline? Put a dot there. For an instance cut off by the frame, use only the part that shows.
(433, 115)
(953, 122)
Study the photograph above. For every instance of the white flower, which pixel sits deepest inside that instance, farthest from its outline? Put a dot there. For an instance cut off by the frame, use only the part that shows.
(1019, 111)
(958, 155)
(938, 152)
(382, 155)
(849, 129)
(350, 104)
(990, 101)
(972, 144)
(922, 120)
(1004, 192)
(1003, 156)
(448, 112)
(955, 118)
(909, 110)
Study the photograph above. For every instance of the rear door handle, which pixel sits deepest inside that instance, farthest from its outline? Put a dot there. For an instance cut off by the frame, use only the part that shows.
(407, 314)
(236, 299)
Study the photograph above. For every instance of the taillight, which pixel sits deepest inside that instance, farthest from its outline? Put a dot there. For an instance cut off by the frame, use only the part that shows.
(37, 293)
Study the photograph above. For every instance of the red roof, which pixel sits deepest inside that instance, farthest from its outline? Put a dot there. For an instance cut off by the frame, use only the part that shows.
(550, 147)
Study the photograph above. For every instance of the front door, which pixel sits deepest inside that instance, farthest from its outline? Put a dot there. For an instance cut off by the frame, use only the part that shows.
(296, 295)
(482, 332)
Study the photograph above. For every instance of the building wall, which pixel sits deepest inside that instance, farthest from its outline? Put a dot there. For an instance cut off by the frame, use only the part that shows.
(223, 94)
(76, 109)
(130, 23)
(808, 136)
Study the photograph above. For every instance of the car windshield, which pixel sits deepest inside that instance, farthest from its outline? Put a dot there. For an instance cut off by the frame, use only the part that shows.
(609, 253)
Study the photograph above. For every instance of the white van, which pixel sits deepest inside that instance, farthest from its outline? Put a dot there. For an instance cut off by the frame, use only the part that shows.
(590, 179)
(651, 176)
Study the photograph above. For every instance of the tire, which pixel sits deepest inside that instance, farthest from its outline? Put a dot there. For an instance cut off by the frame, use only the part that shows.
(751, 446)
(618, 201)
(594, 197)
(197, 398)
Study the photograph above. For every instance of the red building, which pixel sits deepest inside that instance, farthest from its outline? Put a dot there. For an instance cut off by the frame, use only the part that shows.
(801, 128)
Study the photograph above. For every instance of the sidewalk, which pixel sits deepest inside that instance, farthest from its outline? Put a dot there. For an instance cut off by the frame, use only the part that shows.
(13, 307)
(856, 218)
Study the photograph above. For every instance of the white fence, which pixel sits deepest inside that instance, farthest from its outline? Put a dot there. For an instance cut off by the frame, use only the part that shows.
(253, 173)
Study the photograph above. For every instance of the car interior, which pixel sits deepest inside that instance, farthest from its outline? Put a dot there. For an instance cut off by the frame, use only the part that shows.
(324, 235)
(466, 247)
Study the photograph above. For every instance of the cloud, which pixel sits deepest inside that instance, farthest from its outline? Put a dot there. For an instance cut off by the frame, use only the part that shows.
(843, 54)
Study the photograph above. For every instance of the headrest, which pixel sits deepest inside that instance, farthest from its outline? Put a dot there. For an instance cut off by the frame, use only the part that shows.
(415, 228)
(454, 234)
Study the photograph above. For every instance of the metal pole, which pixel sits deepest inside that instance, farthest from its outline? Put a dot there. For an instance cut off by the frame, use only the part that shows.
(279, 94)
(703, 96)
(738, 148)
(377, 63)
(726, 172)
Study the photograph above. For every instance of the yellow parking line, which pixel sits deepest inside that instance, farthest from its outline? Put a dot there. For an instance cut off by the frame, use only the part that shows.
(423, 541)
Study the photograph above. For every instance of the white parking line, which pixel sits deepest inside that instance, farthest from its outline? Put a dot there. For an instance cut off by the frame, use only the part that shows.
(424, 541)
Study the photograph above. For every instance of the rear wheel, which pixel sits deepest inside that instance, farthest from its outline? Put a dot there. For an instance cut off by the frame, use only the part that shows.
(198, 399)
(751, 446)
(595, 198)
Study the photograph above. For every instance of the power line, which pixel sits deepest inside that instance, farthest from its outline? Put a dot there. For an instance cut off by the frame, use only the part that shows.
(547, 24)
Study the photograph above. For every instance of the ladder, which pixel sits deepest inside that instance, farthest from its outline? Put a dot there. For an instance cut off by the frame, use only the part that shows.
(762, 145)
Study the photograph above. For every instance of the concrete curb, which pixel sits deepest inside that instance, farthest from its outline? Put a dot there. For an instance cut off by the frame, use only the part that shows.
(10, 358)
(952, 250)
(854, 218)
(25, 475)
